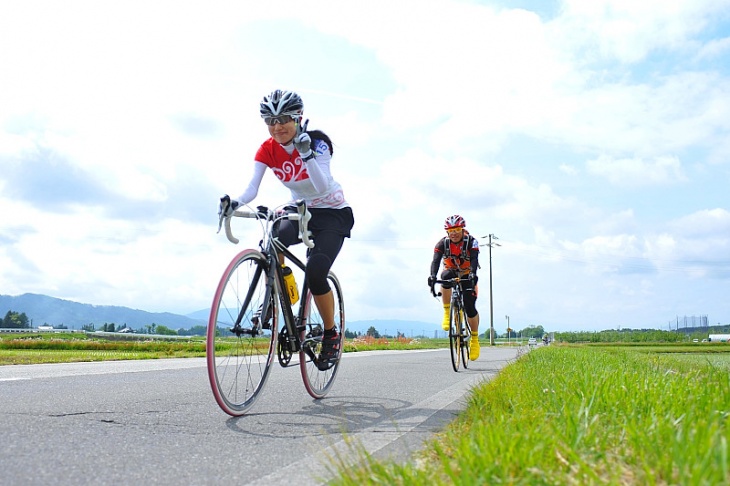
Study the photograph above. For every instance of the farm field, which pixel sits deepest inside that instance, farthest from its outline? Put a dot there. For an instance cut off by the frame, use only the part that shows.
(74, 347)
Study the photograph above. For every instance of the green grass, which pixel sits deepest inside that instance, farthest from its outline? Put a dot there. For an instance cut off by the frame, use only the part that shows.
(580, 415)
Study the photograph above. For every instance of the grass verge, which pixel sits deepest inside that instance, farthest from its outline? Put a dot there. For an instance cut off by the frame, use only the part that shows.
(580, 415)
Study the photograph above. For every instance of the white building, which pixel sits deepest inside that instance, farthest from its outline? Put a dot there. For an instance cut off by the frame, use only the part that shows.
(719, 338)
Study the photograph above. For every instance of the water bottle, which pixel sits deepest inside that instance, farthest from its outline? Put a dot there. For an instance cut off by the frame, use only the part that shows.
(290, 285)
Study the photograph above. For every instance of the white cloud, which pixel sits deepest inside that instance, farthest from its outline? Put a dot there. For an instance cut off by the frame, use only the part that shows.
(714, 49)
(636, 172)
(629, 31)
(708, 222)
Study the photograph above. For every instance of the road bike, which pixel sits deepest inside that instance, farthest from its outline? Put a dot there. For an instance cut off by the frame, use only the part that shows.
(244, 330)
(459, 330)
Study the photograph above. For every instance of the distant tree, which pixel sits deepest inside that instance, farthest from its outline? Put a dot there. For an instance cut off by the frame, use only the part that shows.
(533, 331)
(193, 331)
(61, 326)
(88, 327)
(108, 327)
(373, 332)
(15, 320)
(164, 330)
(350, 334)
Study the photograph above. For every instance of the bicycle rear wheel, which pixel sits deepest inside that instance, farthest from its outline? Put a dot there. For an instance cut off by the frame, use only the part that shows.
(455, 335)
(318, 382)
(241, 343)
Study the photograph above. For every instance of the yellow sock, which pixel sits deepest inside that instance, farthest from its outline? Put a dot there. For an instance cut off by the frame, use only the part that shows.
(447, 312)
(474, 347)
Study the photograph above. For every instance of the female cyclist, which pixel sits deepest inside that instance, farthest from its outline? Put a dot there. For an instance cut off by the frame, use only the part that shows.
(300, 159)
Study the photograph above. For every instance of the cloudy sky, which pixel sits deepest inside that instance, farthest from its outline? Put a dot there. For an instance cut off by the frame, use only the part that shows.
(591, 138)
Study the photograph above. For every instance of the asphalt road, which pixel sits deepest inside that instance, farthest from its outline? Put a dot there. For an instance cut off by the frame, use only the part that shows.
(156, 422)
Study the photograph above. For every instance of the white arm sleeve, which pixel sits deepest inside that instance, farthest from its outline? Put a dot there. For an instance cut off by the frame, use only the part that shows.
(259, 169)
(317, 175)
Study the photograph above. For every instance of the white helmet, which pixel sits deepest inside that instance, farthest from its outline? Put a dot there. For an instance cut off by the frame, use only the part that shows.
(280, 103)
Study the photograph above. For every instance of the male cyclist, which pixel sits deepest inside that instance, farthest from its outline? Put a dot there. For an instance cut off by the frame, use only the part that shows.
(460, 253)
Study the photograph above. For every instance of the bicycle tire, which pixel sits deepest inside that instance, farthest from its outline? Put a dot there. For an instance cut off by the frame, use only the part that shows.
(319, 382)
(455, 335)
(239, 358)
(465, 342)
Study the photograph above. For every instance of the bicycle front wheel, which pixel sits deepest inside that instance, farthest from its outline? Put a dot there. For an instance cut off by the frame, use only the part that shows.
(465, 342)
(241, 343)
(319, 381)
(455, 335)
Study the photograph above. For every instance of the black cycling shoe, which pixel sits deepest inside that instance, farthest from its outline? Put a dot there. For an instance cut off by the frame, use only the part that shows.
(330, 351)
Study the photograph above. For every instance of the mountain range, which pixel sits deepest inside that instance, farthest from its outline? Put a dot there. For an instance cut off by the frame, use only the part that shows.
(45, 310)
(42, 309)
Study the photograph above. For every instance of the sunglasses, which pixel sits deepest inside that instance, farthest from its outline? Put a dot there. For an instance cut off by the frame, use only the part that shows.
(454, 230)
(282, 119)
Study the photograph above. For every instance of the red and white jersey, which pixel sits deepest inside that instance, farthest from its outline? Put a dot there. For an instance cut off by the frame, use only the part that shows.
(311, 181)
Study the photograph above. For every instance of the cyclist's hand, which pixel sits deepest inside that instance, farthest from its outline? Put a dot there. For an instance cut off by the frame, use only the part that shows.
(431, 280)
(226, 206)
(303, 142)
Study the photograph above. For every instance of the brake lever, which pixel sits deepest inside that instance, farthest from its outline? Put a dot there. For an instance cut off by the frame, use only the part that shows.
(225, 203)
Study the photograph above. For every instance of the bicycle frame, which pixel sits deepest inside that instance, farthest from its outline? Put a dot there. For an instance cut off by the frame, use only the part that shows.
(293, 325)
(272, 249)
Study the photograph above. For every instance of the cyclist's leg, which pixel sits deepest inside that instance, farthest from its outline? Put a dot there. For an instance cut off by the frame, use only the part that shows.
(470, 306)
(329, 229)
(327, 245)
(472, 317)
(326, 306)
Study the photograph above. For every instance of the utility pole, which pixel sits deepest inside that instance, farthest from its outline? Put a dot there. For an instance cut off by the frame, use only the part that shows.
(491, 304)
(509, 331)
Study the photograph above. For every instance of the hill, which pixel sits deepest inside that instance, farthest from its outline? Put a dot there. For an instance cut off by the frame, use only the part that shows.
(42, 309)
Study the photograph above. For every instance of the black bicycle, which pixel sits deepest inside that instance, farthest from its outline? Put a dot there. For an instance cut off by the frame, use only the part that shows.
(243, 329)
(459, 330)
